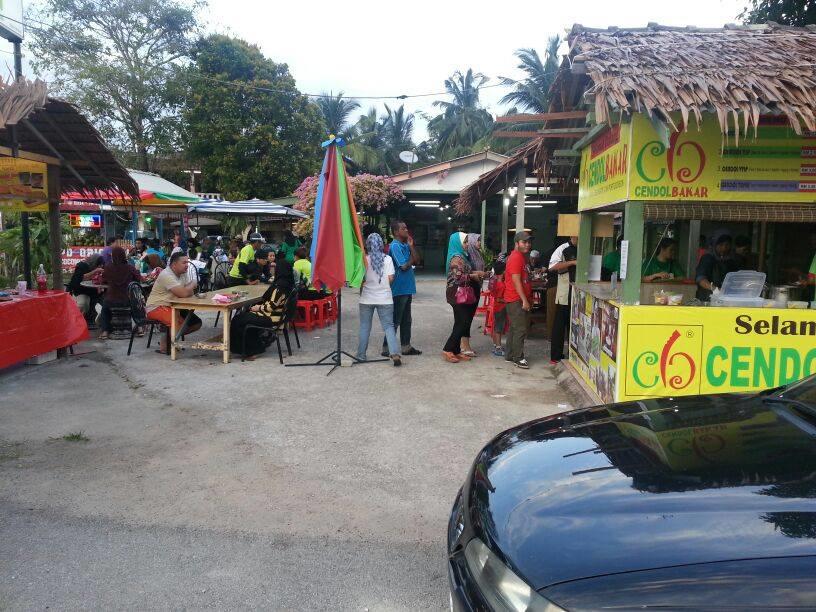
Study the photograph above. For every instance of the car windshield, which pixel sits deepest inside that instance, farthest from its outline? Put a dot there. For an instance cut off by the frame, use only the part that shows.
(803, 391)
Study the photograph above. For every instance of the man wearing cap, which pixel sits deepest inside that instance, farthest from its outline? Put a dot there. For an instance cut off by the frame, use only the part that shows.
(239, 273)
(562, 262)
(518, 293)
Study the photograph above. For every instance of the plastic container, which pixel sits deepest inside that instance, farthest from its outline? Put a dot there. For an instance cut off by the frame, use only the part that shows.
(743, 284)
(737, 302)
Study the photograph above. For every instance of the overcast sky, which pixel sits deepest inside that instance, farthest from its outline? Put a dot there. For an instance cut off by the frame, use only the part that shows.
(366, 47)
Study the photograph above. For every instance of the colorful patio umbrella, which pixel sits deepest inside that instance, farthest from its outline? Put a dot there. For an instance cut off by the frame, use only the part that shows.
(337, 243)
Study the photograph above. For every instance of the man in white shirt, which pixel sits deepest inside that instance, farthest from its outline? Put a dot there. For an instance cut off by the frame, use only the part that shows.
(563, 262)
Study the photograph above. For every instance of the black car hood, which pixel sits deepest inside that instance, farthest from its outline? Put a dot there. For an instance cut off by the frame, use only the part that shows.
(645, 485)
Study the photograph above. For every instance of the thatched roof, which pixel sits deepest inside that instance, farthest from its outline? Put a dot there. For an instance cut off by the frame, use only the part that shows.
(73, 138)
(737, 72)
(734, 72)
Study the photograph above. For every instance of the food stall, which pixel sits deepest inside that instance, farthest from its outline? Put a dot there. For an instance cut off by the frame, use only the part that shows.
(631, 339)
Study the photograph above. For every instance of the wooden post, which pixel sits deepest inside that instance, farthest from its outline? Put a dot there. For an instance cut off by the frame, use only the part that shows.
(633, 232)
(521, 187)
(584, 247)
(505, 213)
(55, 227)
(484, 219)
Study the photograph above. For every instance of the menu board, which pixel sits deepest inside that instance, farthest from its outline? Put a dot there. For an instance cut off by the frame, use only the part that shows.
(23, 185)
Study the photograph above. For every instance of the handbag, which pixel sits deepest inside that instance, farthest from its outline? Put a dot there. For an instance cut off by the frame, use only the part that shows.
(465, 295)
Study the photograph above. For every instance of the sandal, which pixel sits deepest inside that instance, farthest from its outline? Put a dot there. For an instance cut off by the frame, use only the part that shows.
(140, 332)
(470, 353)
(450, 357)
(104, 336)
(464, 357)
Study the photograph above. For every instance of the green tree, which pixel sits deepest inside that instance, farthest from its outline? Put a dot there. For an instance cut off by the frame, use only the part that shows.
(398, 130)
(786, 12)
(336, 112)
(532, 94)
(253, 133)
(367, 145)
(463, 121)
(119, 61)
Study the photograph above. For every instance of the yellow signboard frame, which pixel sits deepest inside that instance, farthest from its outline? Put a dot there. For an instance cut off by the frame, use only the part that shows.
(23, 185)
(639, 161)
(673, 351)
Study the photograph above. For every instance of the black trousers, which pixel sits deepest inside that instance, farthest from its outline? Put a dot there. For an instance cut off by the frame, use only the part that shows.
(256, 343)
(402, 319)
(462, 318)
(559, 333)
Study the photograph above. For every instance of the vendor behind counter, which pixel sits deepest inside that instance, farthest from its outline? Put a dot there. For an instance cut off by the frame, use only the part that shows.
(663, 264)
(715, 264)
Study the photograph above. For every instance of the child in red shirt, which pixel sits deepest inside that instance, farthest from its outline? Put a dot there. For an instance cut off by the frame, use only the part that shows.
(496, 287)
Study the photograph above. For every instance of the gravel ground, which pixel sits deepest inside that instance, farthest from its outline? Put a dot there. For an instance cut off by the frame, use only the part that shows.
(247, 485)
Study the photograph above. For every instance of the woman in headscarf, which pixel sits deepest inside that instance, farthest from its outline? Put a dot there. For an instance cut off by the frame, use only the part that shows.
(375, 294)
(460, 295)
(474, 243)
(86, 298)
(714, 265)
(117, 275)
(267, 314)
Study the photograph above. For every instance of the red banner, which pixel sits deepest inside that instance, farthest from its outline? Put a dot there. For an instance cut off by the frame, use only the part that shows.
(72, 255)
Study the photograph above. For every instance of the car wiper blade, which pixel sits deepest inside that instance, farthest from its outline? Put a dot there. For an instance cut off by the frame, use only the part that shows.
(797, 413)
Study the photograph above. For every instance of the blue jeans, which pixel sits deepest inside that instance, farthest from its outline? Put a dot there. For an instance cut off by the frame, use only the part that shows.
(402, 319)
(386, 314)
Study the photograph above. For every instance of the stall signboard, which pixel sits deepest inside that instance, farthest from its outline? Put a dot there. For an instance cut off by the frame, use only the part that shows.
(672, 351)
(699, 164)
(604, 168)
(23, 185)
(83, 220)
(72, 255)
(593, 342)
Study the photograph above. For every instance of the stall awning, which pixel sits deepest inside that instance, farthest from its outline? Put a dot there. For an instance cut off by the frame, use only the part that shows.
(261, 208)
(730, 211)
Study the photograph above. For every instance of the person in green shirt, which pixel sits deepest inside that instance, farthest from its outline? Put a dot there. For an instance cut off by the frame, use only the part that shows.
(289, 246)
(663, 266)
(238, 274)
(610, 264)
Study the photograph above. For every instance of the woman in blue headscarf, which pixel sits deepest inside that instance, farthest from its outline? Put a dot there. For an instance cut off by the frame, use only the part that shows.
(375, 294)
(460, 295)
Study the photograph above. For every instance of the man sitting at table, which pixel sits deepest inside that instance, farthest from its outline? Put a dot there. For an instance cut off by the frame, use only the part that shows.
(259, 270)
(238, 274)
(173, 282)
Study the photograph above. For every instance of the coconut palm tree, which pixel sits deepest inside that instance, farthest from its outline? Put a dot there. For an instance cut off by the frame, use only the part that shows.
(398, 130)
(336, 111)
(532, 94)
(463, 121)
(367, 144)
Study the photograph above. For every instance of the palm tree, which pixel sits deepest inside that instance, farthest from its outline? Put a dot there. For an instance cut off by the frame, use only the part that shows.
(398, 130)
(532, 94)
(336, 111)
(367, 144)
(463, 121)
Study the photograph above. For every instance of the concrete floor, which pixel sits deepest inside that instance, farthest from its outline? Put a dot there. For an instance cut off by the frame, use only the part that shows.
(248, 485)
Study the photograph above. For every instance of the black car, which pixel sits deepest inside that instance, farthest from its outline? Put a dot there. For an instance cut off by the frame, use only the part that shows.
(697, 502)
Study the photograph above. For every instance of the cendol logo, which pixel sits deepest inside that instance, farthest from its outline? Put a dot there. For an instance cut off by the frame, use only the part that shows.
(674, 368)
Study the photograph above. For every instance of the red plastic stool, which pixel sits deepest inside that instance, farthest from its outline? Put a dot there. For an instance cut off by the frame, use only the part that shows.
(307, 314)
(487, 300)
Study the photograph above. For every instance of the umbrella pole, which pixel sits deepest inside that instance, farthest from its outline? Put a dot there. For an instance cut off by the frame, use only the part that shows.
(334, 358)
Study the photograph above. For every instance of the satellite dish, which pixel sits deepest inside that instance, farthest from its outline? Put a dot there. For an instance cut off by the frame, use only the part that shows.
(409, 157)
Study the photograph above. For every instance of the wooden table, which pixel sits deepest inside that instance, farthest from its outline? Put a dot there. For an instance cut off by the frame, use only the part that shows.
(205, 303)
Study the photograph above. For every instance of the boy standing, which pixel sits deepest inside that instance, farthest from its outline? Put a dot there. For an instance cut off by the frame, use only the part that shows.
(496, 286)
(518, 293)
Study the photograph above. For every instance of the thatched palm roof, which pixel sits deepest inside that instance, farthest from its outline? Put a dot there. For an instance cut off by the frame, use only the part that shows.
(56, 129)
(736, 72)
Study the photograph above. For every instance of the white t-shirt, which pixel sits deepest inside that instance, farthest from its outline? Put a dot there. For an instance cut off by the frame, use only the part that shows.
(375, 290)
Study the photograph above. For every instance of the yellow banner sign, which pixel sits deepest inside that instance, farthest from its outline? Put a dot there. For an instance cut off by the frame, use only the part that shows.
(23, 185)
(593, 342)
(671, 351)
(699, 164)
(604, 169)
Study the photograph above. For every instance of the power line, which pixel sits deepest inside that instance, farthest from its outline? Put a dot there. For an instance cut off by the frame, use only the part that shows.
(257, 87)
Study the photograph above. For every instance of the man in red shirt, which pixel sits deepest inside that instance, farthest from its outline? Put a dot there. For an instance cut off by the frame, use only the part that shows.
(518, 293)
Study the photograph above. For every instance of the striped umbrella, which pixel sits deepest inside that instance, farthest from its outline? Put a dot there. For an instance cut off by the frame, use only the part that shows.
(337, 244)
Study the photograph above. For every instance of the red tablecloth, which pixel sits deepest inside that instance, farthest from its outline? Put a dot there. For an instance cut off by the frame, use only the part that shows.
(38, 323)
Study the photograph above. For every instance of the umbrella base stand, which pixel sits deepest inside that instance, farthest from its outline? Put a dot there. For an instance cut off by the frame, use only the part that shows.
(334, 358)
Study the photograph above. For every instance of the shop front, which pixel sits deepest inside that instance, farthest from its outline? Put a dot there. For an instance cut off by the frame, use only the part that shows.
(644, 335)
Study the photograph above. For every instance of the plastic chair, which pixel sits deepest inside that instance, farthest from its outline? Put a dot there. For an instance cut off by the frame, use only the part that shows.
(308, 314)
(289, 308)
(137, 312)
